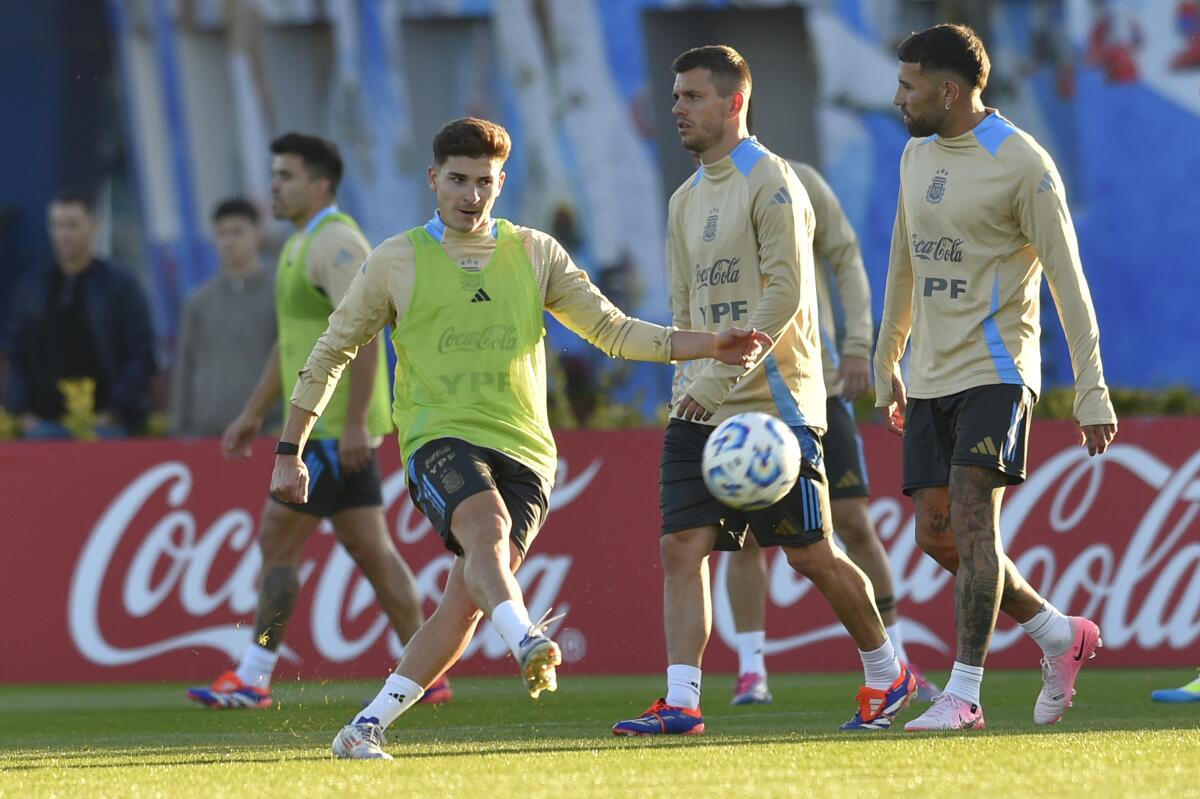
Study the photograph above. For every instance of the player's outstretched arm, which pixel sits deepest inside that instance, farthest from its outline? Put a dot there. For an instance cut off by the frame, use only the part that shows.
(736, 346)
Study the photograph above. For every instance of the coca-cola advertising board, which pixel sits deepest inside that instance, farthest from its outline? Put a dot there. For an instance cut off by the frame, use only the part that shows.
(137, 561)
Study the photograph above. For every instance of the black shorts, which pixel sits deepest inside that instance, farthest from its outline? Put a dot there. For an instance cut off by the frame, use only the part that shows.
(983, 426)
(799, 519)
(446, 471)
(845, 461)
(331, 488)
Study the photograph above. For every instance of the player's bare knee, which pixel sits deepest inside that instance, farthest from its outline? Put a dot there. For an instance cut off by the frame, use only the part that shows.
(816, 561)
(683, 552)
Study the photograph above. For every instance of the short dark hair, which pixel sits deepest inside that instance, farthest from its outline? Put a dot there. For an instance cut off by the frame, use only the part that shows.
(320, 156)
(953, 48)
(235, 206)
(730, 72)
(73, 196)
(472, 138)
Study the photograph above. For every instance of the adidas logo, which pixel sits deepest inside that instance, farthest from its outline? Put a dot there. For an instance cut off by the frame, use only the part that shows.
(781, 197)
(481, 296)
(1047, 183)
(985, 447)
(849, 480)
(398, 697)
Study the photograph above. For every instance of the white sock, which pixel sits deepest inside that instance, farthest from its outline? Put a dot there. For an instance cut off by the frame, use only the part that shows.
(750, 652)
(398, 695)
(683, 686)
(511, 620)
(1051, 629)
(880, 666)
(964, 682)
(893, 634)
(258, 663)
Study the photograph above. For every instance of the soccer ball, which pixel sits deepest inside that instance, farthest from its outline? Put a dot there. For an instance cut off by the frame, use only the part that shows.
(751, 461)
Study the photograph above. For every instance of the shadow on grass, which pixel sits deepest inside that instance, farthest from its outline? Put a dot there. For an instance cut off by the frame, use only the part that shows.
(491, 741)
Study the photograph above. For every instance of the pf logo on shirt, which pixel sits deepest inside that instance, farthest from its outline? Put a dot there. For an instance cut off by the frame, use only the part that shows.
(937, 187)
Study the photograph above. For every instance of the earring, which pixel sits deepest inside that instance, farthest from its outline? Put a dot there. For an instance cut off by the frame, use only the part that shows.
(947, 106)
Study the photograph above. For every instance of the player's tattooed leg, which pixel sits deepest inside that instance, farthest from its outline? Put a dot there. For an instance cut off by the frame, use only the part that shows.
(276, 599)
(975, 494)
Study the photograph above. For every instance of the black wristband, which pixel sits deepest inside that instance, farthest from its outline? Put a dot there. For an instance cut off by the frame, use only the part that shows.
(287, 448)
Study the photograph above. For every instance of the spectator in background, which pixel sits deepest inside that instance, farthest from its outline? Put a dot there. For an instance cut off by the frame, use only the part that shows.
(83, 322)
(227, 330)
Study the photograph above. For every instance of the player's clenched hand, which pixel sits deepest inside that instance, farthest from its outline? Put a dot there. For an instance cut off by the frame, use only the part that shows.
(354, 447)
(692, 411)
(289, 480)
(1096, 437)
(855, 374)
(893, 414)
(739, 346)
(238, 436)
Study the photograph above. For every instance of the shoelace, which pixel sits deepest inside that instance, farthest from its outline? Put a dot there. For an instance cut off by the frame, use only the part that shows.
(1049, 673)
(373, 734)
(543, 624)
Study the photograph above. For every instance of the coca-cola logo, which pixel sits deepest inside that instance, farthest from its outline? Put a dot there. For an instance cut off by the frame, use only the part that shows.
(176, 560)
(484, 339)
(722, 272)
(1144, 593)
(944, 249)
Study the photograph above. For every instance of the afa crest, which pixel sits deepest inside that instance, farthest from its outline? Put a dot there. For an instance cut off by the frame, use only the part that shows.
(710, 225)
(937, 187)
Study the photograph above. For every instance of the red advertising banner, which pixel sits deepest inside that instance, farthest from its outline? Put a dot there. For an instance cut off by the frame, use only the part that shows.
(137, 561)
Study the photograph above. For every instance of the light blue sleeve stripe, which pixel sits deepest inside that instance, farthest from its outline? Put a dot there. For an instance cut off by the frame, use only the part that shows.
(436, 228)
(991, 132)
(1006, 368)
(789, 411)
(696, 178)
(747, 154)
(319, 218)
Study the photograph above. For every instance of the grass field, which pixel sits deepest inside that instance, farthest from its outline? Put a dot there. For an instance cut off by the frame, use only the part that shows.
(493, 742)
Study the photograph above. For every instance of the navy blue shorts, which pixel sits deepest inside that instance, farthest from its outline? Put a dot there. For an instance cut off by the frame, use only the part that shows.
(799, 519)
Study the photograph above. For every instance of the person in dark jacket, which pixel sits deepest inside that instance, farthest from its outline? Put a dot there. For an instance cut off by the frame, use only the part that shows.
(81, 320)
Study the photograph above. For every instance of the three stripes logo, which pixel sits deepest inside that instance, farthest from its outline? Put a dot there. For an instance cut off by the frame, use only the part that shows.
(481, 296)
(985, 447)
(782, 197)
(849, 480)
(1047, 183)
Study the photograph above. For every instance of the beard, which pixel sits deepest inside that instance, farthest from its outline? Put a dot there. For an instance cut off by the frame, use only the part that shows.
(701, 139)
(922, 126)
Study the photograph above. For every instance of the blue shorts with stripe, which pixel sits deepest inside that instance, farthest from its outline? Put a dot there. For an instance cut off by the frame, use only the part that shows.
(984, 426)
(447, 471)
(799, 519)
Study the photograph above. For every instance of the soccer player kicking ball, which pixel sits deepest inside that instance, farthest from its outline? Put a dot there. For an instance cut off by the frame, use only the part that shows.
(740, 251)
(981, 214)
(465, 295)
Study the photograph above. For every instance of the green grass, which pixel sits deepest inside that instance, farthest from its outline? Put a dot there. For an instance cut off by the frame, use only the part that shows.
(492, 742)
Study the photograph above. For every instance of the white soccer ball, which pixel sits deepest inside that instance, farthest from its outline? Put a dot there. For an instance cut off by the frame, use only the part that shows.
(751, 461)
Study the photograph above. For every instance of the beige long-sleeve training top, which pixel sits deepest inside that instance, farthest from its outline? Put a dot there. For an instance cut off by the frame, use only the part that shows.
(739, 251)
(981, 216)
